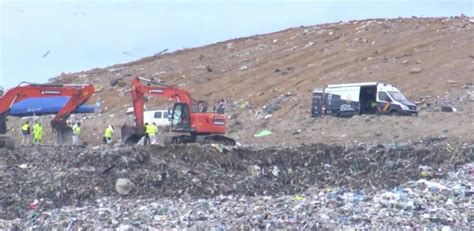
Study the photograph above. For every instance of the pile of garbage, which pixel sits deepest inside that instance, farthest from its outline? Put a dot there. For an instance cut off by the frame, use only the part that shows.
(274, 105)
(449, 101)
(309, 186)
(435, 204)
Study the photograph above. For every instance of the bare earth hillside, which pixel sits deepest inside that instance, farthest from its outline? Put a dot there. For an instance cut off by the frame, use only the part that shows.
(429, 59)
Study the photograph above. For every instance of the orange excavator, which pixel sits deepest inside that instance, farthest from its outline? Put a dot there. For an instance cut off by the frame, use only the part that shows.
(79, 94)
(188, 116)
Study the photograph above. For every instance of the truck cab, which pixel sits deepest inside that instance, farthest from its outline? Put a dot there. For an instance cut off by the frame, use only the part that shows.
(391, 101)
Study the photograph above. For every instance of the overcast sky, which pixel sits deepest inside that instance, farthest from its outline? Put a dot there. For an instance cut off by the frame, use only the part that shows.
(41, 39)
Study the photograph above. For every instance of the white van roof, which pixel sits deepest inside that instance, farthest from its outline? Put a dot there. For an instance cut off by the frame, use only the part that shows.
(353, 84)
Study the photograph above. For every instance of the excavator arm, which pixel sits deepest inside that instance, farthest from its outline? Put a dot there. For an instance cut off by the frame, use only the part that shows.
(192, 117)
(78, 93)
(132, 134)
(139, 91)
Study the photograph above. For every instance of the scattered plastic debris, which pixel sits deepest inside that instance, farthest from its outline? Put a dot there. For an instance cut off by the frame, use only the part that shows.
(263, 133)
(201, 187)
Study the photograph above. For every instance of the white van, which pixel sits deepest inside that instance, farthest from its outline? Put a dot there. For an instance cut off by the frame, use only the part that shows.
(345, 100)
(159, 117)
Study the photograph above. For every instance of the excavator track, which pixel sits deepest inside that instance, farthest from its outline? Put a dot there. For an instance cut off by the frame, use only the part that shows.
(215, 139)
(200, 139)
(182, 139)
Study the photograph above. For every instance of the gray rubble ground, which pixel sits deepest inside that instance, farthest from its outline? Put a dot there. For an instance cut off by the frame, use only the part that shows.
(438, 203)
(427, 183)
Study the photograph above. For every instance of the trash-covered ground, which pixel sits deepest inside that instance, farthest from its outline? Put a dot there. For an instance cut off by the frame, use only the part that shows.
(267, 81)
(423, 184)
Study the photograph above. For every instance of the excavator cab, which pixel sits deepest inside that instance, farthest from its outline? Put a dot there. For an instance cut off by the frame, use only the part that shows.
(180, 118)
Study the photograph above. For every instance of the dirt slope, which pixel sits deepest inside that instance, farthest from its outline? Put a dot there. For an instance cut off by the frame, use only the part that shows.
(251, 72)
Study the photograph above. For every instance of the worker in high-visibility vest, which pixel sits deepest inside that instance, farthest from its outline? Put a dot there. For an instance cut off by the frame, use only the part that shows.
(155, 134)
(148, 131)
(37, 133)
(109, 132)
(25, 131)
(76, 133)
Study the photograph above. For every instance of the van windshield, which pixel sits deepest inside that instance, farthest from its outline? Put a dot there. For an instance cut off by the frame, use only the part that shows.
(397, 96)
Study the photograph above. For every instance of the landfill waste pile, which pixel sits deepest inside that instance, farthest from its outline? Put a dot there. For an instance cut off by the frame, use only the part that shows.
(423, 184)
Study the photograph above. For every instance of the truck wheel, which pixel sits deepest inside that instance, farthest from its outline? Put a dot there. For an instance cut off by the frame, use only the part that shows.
(394, 113)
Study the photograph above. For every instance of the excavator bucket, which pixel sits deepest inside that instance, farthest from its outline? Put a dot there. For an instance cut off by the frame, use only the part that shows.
(63, 132)
(64, 135)
(131, 135)
(7, 142)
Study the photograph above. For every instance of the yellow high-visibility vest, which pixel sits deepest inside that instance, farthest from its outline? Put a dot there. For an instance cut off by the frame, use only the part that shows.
(76, 130)
(373, 104)
(150, 129)
(25, 127)
(38, 130)
(108, 132)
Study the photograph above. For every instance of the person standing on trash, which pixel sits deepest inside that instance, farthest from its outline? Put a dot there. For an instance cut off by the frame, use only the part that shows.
(38, 133)
(25, 131)
(148, 133)
(220, 108)
(109, 132)
(155, 137)
(76, 133)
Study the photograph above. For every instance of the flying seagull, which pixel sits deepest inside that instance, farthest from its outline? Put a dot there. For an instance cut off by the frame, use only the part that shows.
(46, 54)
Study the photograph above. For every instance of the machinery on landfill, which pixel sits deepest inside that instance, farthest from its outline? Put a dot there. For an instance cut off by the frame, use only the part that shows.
(188, 116)
(78, 95)
(346, 100)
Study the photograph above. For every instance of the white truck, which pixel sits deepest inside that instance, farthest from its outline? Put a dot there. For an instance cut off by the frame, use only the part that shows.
(159, 117)
(346, 100)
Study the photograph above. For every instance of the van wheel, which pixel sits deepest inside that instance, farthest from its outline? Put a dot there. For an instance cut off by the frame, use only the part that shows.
(394, 113)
